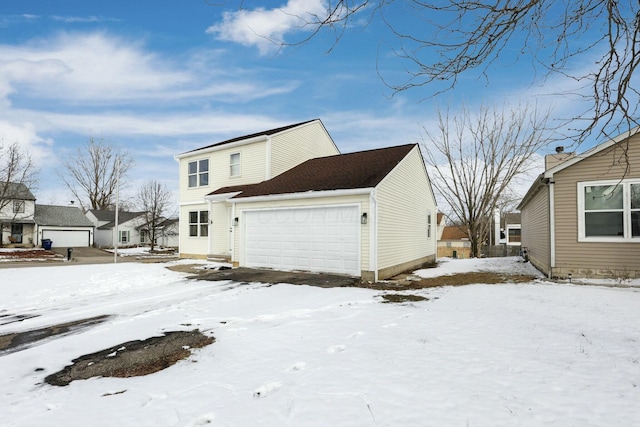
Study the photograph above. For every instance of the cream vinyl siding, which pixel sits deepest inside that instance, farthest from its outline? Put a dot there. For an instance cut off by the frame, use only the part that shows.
(297, 145)
(404, 199)
(535, 230)
(361, 200)
(192, 246)
(592, 258)
(252, 165)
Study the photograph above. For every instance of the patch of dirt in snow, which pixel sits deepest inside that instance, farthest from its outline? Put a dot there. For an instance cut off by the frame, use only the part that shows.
(458, 279)
(133, 358)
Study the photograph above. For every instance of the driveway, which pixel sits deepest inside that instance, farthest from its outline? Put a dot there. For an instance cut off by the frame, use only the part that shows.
(248, 275)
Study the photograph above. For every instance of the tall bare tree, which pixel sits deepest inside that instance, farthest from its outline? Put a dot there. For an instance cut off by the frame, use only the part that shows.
(154, 199)
(17, 177)
(594, 43)
(473, 158)
(94, 171)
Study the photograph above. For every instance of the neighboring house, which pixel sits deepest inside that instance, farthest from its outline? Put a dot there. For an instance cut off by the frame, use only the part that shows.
(17, 207)
(511, 229)
(286, 199)
(454, 242)
(581, 217)
(105, 222)
(65, 226)
(166, 233)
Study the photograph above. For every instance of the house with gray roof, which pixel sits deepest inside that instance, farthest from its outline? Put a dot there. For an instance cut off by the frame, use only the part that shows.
(65, 226)
(17, 207)
(128, 229)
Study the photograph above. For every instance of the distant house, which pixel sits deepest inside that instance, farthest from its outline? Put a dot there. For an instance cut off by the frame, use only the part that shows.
(454, 242)
(511, 229)
(17, 208)
(581, 216)
(65, 226)
(287, 199)
(167, 233)
(129, 224)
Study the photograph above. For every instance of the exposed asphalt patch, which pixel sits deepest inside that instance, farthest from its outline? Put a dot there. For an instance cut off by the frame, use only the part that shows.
(133, 358)
(249, 275)
(12, 342)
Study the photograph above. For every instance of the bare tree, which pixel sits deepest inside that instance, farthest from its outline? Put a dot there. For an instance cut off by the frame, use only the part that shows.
(472, 160)
(594, 43)
(154, 199)
(17, 177)
(93, 173)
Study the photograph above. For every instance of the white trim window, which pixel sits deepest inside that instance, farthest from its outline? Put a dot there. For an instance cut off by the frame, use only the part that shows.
(234, 164)
(125, 236)
(428, 224)
(18, 206)
(198, 173)
(609, 211)
(198, 224)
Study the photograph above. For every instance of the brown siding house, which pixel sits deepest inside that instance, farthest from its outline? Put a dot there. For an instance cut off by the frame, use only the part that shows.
(581, 217)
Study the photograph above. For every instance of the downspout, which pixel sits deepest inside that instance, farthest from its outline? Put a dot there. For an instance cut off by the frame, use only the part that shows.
(373, 234)
(209, 202)
(552, 229)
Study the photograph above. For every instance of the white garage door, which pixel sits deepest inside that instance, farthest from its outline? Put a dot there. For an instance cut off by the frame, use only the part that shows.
(323, 239)
(67, 238)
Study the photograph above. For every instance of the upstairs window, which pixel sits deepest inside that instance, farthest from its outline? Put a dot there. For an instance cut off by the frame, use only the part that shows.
(199, 173)
(609, 211)
(234, 164)
(18, 206)
(428, 225)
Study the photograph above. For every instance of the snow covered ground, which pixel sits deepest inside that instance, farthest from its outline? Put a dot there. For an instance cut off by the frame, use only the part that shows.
(535, 354)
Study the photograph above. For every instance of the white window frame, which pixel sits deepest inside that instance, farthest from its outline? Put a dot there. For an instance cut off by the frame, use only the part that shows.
(19, 206)
(626, 211)
(429, 225)
(235, 164)
(126, 234)
(200, 174)
(201, 223)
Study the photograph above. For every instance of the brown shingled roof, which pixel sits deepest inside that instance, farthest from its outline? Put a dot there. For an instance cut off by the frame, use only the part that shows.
(454, 232)
(253, 135)
(363, 169)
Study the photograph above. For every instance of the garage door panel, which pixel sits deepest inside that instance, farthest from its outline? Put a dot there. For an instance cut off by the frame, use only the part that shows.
(67, 238)
(317, 239)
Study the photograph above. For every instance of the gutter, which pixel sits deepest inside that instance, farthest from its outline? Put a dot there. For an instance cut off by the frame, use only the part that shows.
(306, 195)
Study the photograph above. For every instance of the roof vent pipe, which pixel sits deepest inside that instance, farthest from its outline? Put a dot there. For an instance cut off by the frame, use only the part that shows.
(559, 149)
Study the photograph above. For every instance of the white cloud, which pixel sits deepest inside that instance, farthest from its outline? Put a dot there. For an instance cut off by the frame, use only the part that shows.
(266, 28)
(27, 137)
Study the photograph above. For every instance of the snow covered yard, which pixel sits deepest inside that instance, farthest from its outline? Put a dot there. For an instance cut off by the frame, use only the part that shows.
(534, 354)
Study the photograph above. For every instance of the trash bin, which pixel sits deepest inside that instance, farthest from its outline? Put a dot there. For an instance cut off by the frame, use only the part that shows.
(46, 244)
(69, 252)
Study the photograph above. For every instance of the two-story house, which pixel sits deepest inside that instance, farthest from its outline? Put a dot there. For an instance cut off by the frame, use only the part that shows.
(287, 199)
(17, 209)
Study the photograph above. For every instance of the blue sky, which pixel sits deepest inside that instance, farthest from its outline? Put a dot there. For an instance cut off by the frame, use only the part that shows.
(162, 77)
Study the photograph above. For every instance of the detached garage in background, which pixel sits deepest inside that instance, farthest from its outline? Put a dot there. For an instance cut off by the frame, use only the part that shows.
(65, 226)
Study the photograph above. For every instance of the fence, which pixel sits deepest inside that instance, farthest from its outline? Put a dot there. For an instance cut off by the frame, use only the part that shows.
(497, 251)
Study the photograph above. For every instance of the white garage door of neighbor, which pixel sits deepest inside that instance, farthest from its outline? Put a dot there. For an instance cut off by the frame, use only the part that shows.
(325, 239)
(67, 238)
